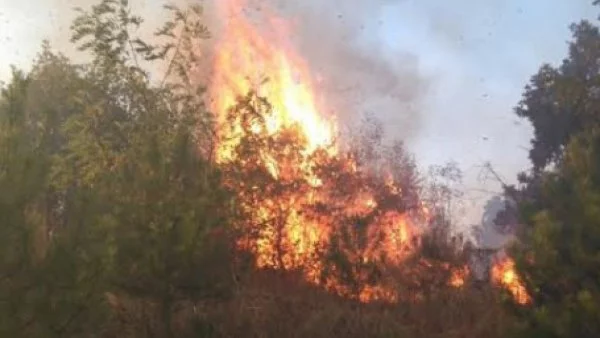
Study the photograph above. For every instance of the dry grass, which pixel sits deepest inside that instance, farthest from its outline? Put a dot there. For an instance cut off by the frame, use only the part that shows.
(271, 304)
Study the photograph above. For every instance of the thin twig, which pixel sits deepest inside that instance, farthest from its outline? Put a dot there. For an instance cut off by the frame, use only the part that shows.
(175, 54)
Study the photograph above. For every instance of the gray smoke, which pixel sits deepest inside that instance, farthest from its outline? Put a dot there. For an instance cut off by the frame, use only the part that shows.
(486, 234)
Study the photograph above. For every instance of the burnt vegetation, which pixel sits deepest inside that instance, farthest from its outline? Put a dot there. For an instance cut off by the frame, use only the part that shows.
(121, 216)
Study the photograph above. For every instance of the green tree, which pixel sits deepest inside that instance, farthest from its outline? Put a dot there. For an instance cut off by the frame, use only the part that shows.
(107, 193)
(43, 288)
(560, 257)
(557, 256)
(561, 102)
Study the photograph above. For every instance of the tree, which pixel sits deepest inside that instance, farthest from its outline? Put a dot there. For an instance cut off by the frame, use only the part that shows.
(561, 102)
(557, 256)
(44, 288)
(135, 157)
(560, 262)
(108, 195)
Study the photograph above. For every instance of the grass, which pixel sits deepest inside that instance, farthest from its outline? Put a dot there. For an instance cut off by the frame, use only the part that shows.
(274, 304)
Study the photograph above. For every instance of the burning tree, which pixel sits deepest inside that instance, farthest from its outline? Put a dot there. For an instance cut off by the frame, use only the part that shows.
(323, 212)
(346, 215)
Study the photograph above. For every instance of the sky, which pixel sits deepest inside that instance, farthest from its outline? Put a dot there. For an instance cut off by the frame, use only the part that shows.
(482, 54)
(442, 75)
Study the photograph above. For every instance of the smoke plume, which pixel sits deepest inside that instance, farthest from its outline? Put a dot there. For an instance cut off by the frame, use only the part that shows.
(354, 74)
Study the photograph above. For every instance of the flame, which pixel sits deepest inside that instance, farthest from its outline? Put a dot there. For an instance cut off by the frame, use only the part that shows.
(458, 276)
(504, 274)
(296, 191)
(246, 61)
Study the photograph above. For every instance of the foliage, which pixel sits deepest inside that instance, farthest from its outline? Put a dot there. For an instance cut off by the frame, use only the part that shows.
(561, 102)
(47, 281)
(105, 193)
(560, 261)
(558, 252)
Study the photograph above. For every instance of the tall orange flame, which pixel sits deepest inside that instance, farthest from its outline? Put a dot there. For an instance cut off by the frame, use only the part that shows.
(299, 195)
(247, 61)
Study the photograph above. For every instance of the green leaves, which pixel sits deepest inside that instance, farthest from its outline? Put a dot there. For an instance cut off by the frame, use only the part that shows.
(562, 245)
(559, 250)
(561, 102)
(102, 186)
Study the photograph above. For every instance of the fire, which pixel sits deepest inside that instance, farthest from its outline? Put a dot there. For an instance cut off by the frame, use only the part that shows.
(247, 61)
(301, 200)
(459, 276)
(504, 274)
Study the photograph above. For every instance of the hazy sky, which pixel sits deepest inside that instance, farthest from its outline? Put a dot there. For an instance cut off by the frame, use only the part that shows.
(482, 54)
(469, 59)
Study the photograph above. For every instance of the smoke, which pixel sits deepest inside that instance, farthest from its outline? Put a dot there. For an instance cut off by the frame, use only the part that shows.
(354, 74)
(486, 234)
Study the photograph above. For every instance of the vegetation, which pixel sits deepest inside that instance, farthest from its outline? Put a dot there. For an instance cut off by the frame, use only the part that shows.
(558, 251)
(116, 220)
